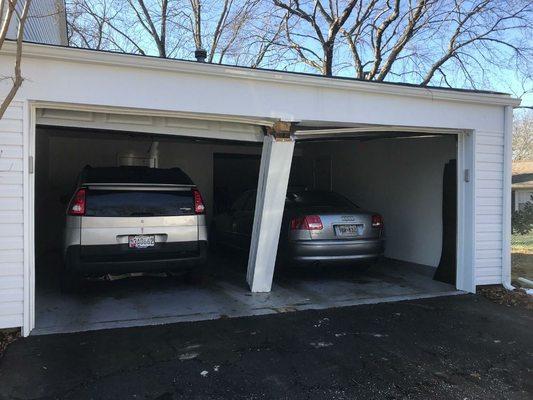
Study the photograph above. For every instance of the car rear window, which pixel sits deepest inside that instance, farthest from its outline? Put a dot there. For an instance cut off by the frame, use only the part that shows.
(318, 199)
(138, 203)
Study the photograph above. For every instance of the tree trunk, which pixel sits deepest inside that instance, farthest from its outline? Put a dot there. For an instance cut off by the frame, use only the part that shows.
(327, 64)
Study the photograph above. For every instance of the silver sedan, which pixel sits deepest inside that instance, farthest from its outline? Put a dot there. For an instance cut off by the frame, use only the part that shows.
(318, 227)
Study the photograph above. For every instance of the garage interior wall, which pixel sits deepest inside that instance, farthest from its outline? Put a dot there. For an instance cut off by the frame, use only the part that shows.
(400, 178)
(62, 154)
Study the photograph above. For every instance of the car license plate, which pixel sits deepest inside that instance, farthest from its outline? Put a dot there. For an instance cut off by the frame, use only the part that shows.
(141, 241)
(349, 230)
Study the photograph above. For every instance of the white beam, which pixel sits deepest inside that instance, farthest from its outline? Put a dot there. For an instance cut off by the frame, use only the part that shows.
(274, 172)
(507, 183)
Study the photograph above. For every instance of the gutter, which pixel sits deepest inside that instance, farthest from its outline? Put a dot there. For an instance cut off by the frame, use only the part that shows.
(86, 56)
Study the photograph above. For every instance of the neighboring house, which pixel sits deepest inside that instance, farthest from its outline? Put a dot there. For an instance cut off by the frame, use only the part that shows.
(522, 189)
(46, 23)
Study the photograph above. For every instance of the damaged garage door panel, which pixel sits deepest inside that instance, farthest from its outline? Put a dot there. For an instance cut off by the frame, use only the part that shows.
(211, 127)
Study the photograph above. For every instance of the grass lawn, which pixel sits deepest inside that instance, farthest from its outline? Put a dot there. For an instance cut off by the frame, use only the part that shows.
(522, 256)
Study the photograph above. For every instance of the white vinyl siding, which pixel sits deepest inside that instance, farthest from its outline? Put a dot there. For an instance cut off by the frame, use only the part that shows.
(489, 203)
(11, 217)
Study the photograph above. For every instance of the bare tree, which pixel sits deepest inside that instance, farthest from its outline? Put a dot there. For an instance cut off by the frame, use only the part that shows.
(154, 21)
(410, 40)
(87, 23)
(480, 32)
(325, 23)
(445, 42)
(226, 29)
(13, 11)
(130, 26)
(523, 136)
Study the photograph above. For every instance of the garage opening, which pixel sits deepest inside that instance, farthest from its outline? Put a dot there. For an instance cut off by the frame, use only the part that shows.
(62, 153)
(398, 176)
(408, 179)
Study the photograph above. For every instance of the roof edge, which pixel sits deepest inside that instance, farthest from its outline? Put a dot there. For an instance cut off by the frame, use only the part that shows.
(73, 54)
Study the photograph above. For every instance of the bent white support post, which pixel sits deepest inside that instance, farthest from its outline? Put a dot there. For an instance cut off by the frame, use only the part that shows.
(274, 173)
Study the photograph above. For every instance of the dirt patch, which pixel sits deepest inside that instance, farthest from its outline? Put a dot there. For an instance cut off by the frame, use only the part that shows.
(7, 337)
(500, 295)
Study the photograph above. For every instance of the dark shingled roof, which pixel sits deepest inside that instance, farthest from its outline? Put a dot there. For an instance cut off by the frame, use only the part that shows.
(523, 175)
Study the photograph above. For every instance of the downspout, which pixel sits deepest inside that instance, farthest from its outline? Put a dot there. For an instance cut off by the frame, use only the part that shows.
(507, 181)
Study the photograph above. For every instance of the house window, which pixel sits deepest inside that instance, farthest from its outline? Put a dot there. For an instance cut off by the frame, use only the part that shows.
(522, 198)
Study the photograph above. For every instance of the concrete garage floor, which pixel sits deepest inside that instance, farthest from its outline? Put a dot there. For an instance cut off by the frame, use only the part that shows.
(160, 300)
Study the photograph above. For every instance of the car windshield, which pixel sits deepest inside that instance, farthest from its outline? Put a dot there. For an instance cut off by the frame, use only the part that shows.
(318, 199)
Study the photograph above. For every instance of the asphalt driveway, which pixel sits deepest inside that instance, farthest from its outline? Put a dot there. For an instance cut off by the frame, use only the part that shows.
(459, 347)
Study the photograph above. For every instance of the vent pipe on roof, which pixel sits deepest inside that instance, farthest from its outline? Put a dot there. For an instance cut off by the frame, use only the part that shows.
(200, 55)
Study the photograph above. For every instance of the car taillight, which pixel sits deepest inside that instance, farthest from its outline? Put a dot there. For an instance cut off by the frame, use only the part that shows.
(307, 223)
(77, 204)
(377, 221)
(199, 207)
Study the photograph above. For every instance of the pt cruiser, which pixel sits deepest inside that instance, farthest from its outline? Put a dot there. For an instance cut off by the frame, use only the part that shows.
(133, 219)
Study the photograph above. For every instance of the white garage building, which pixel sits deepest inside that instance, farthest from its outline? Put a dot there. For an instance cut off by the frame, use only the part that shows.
(379, 144)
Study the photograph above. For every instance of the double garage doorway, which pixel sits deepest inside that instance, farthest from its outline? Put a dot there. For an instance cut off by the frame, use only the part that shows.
(409, 178)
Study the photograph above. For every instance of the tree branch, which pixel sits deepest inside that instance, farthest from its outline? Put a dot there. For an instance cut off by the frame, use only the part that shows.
(17, 79)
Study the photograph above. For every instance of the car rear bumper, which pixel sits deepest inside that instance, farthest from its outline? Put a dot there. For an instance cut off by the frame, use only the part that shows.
(335, 251)
(120, 259)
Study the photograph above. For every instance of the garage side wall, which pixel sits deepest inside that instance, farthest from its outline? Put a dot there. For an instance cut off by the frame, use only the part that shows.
(11, 217)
